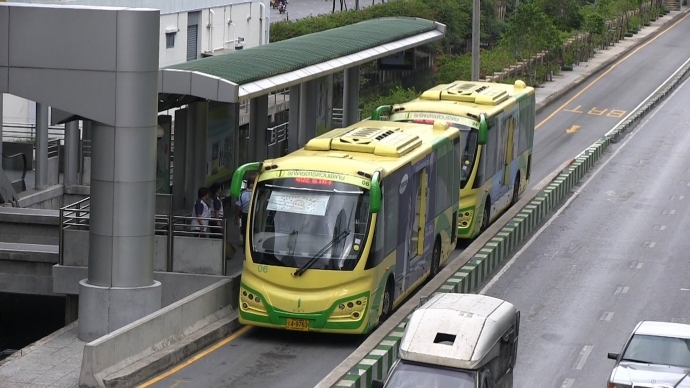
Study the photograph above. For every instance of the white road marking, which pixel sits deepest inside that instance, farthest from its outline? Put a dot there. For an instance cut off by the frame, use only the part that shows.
(672, 212)
(652, 244)
(582, 187)
(583, 356)
(639, 265)
(567, 383)
(663, 227)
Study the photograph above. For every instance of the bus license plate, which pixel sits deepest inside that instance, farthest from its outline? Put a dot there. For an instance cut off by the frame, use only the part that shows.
(297, 324)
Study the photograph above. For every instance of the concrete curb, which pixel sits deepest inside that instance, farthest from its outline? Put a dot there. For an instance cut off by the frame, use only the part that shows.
(376, 363)
(158, 362)
(604, 65)
(156, 342)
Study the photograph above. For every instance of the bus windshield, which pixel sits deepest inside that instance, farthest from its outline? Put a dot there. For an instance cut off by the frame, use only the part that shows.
(468, 143)
(407, 375)
(305, 222)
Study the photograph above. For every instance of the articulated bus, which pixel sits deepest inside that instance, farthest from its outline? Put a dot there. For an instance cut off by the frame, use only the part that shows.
(497, 125)
(341, 231)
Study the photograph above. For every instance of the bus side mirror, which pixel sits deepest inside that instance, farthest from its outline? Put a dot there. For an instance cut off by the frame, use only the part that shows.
(375, 194)
(483, 130)
(383, 110)
(238, 176)
(376, 384)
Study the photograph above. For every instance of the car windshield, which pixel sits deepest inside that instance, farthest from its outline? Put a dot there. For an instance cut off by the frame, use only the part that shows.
(651, 349)
(314, 222)
(468, 142)
(407, 375)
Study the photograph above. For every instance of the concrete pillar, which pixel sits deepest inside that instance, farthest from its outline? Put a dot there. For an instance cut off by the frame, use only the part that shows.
(120, 288)
(86, 126)
(180, 160)
(196, 161)
(351, 96)
(71, 153)
(41, 176)
(258, 128)
(307, 112)
(324, 104)
(293, 120)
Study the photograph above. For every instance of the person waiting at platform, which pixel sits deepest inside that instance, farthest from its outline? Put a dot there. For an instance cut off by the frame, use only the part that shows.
(201, 211)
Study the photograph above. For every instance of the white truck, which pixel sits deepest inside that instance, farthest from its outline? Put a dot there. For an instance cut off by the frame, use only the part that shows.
(459, 341)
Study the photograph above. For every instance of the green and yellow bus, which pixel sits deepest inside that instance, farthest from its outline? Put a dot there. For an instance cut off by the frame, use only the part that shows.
(344, 229)
(497, 125)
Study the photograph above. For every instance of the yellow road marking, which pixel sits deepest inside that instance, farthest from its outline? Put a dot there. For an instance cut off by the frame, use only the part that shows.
(572, 129)
(608, 71)
(195, 358)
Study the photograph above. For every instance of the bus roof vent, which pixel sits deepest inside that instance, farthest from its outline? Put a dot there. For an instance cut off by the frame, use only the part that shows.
(477, 93)
(381, 141)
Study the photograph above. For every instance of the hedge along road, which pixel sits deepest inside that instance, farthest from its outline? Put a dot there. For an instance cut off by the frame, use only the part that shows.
(266, 358)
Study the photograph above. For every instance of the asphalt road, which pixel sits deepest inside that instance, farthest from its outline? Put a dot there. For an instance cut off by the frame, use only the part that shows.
(302, 361)
(616, 255)
(299, 9)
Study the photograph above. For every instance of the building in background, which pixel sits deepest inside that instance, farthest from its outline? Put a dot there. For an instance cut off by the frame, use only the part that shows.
(189, 29)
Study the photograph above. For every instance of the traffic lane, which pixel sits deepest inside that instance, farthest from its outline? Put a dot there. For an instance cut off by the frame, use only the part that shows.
(585, 114)
(268, 359)
(299, 9)
(251, 356)
(615, 255)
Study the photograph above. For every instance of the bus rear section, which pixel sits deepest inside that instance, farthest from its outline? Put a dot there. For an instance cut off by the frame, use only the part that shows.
(341, 231)
(497, 125)
(457, 341)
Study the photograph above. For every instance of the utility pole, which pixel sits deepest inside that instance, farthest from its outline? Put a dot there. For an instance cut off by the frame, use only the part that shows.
(475, 41)
(356, 5)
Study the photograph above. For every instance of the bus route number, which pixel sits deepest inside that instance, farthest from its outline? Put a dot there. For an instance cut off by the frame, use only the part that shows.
(263, 268)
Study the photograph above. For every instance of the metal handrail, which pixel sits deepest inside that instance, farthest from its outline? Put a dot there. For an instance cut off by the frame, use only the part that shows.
(77, 215)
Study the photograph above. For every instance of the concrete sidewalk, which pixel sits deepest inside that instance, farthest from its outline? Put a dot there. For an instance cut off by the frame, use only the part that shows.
(55, 361)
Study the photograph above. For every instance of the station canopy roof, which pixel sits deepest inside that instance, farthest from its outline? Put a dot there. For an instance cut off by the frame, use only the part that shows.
(244, 74)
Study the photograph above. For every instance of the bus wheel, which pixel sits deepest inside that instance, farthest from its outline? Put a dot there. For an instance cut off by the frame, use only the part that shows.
(435, 258)
(485, 217)
(516, 190)
(387, 307)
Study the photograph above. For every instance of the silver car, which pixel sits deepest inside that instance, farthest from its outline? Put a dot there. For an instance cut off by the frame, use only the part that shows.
(657, 355)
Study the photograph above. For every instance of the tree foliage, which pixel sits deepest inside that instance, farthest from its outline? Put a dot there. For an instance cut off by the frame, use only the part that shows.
(530, 30)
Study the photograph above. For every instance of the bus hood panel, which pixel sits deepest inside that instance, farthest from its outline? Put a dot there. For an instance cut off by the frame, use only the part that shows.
(313, 292)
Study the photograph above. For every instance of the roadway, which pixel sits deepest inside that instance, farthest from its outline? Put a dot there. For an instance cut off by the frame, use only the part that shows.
(595, 107)
(299, 9)
(615, 255)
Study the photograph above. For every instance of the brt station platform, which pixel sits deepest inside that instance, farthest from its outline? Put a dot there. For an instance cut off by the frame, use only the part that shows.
(125, 251)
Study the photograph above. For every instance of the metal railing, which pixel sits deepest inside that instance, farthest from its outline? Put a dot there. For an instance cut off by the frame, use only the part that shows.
(337, 117)
(26, 132)
(53, 148)
(279, 95)
(277, 134)
(76, 217)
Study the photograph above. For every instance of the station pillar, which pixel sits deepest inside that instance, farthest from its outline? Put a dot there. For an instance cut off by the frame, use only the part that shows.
(179, 187)
(196, 169)
(71, 153)
(351, 96)
(258, 127)
(293, 119)
(307, 113)
(41, 176)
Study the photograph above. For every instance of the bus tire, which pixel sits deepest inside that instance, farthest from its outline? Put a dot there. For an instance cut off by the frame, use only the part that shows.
(387, 302)
(486, 217)
(516, 190)
(435, 258)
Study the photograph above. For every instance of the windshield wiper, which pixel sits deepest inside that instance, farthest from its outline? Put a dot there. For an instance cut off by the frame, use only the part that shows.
(320, 253)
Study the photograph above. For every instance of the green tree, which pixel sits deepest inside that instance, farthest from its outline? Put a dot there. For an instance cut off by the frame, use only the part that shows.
(564, 13)
(530, 31)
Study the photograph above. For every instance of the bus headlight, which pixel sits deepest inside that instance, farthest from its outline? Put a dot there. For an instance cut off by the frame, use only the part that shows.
(350, 310)
(465, 218)
(251, 302)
